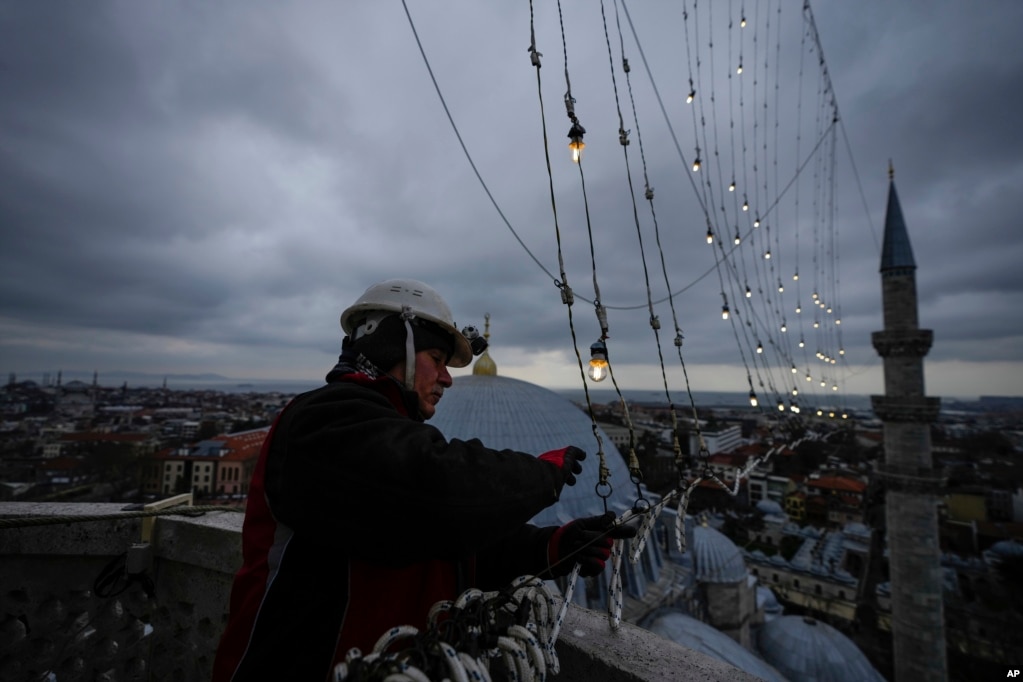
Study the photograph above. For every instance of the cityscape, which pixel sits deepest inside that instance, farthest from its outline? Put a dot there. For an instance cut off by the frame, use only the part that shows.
(86, 442)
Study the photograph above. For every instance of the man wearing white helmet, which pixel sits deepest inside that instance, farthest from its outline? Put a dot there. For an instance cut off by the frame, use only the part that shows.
(360, 516)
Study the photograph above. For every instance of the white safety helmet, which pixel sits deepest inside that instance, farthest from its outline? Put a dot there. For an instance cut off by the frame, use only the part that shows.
(411, 299)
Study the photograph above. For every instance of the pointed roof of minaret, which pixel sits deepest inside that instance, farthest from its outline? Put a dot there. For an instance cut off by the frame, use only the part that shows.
(896, 252)
(485, 365)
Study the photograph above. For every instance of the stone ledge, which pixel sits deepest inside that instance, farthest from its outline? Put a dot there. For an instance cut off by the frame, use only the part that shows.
(195, 558)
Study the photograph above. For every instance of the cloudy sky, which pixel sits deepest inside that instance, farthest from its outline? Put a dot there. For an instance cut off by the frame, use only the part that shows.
(191, 187)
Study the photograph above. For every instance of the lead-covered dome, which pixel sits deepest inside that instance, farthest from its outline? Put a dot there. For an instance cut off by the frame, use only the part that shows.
(508, 413)
(715, 557)
(804, 649)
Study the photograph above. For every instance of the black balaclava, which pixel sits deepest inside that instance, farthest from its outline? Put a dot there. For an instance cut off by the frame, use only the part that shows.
(385, 347)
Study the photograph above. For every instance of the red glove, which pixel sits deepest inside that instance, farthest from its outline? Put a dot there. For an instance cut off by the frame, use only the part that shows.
(567, 462)
(584, 541)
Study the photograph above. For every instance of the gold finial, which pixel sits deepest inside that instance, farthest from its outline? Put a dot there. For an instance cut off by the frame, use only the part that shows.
(891, 170)
(485, 365)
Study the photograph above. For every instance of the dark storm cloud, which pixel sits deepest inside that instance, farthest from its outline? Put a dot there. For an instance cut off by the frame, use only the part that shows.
(222, 179)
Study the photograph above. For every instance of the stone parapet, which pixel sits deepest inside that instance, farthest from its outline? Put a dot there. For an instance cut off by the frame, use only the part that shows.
(64, 610)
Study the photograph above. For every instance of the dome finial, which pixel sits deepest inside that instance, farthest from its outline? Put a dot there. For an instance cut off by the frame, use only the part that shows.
(891, 170)
(485, 365)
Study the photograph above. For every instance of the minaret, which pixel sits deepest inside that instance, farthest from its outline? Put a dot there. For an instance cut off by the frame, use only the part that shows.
(911, 483)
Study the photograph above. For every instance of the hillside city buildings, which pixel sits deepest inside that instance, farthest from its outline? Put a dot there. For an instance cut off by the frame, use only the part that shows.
(808, 524)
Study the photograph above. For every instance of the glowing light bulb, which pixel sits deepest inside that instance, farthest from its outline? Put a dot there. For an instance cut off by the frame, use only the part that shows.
(781, 288)
(731, 187)
(834, 387)
(752, 398)
(696, 164)
(749, 294)
(808, 377)
(799, 309)
(845, 415)
(737, 239)
(760, 347)
(784, 327)
(795, 407)
(767, 255)
(820, 413)
(816, 324)
(724, 312)
(742, 22)
(829, 310)
(710, 236)
(598, 361)
(841, 351)
(756, 222)
(691, 97)
(745, 205)
(814, 296)
(781, 406)
(823, 383)
(838, 320)
(738, 69)
(576, 145)
(801, 342)
(793, 369)
(795, 391)
(795, 277)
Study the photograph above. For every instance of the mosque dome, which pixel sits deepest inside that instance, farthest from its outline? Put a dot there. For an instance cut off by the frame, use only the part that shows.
(508, 413)
(768, 602)
(716, 558)
(804, 649)
(1003, 549)
(770, 508)
(694, 634)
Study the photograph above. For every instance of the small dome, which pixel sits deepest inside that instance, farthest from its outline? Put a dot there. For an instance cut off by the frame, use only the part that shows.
(770, 508)
(1003, 549)
(768, 602)
(716, 558)
(805, 650)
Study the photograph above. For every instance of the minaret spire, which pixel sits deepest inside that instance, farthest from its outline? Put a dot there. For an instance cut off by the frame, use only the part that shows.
(911, 484)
